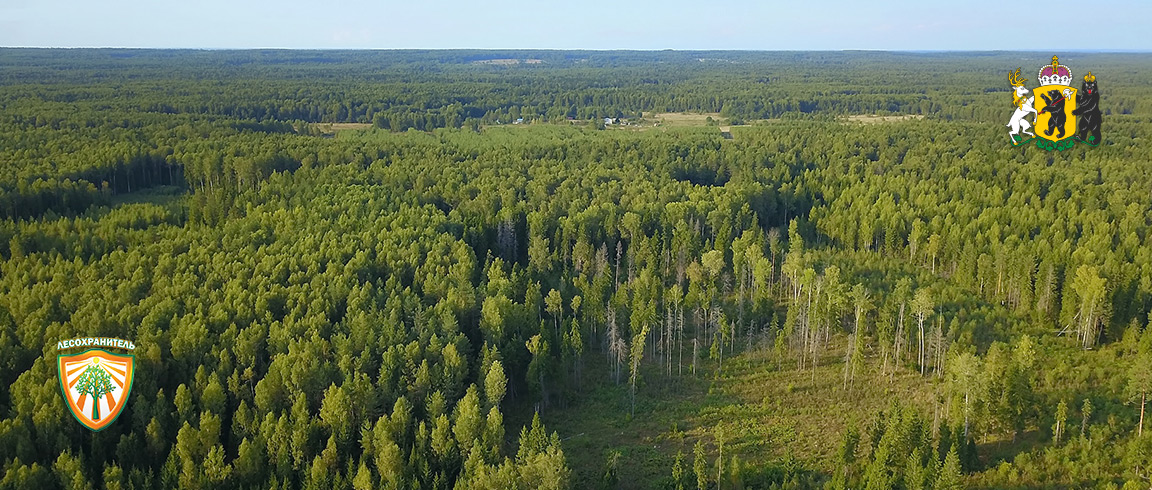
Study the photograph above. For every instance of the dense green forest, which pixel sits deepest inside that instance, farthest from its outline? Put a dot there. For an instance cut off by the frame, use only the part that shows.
(445, 300)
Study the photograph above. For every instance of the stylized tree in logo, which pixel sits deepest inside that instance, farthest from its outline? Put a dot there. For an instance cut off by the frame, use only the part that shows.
(97, 382)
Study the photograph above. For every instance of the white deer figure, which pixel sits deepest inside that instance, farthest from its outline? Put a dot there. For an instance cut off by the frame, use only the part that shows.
(1023, 103)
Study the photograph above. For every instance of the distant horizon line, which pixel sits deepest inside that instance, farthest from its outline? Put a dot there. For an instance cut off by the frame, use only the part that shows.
(652, 50)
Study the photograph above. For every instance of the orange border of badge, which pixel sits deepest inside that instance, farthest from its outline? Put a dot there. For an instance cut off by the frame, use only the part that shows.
(129, 377)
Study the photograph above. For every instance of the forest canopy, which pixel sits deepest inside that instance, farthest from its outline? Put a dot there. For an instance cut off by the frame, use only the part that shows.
(439, 298)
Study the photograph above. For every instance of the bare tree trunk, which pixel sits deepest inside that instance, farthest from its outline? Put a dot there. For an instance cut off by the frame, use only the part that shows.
(740, 315)
(1140, 431)
(632, 412)
(847, 361)
(616, 276)
(850, 349)
(920, 325)
(809, 339)
(884, 354)
(669, 325)
(695, 354)
(720, 369)
(680, 329)
(899, 341)
(966, 419)
(543, 392)
(940, 347)
(702, 316)
(999, 280)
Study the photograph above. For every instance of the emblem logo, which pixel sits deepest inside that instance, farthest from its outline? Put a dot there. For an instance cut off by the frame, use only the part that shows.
(96, 383)
(1062, 115)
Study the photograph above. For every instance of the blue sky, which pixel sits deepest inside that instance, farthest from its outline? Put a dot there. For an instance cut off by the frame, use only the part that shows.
(580, 24)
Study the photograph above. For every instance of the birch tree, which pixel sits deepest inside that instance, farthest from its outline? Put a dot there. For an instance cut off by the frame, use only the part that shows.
(539, 365)
(964, 381)
(554, 304)
(900, 295)
(922, 308)
(1091, 290)
(861, 300)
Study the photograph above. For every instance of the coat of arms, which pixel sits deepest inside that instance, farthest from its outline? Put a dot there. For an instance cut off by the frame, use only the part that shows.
(1061, 116)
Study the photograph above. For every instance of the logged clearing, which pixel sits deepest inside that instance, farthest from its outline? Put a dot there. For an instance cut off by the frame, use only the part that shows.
(771, 411)
(873, 119)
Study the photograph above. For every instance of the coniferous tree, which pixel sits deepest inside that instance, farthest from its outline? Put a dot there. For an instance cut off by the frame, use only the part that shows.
(700, 466)
(1086, 415)
(950, 477)
(678, 471)
(1061, 417)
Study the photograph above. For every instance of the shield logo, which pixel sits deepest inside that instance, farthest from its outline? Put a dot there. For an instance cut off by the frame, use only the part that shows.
(96, 384)
(1054, 106)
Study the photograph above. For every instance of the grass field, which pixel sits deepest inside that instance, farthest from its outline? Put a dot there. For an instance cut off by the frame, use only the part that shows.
(672, 119)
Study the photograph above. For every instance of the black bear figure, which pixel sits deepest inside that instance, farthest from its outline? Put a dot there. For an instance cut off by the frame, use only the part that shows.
(1055, 106)
(1088, 108)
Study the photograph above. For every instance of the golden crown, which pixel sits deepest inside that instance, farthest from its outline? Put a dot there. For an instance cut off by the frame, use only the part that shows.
(1089, 77)
(1054, 74)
